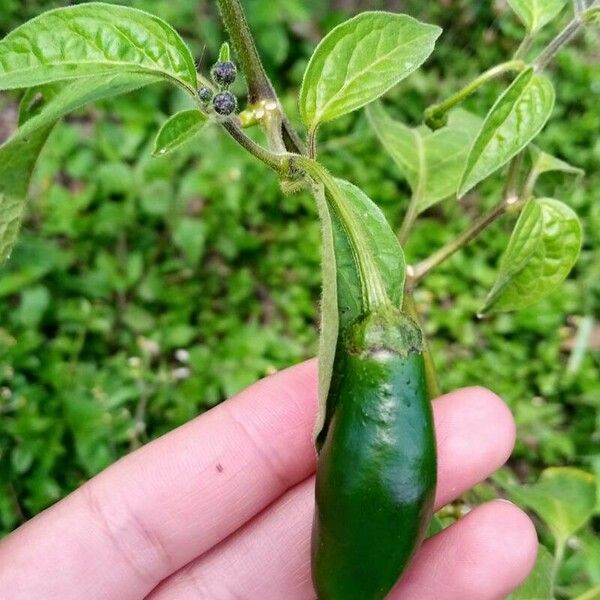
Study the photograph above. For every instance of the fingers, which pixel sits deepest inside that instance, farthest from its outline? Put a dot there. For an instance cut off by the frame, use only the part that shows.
(484, 556)
(157, 509)
(270, 555)
(268, 559)
(475, 434)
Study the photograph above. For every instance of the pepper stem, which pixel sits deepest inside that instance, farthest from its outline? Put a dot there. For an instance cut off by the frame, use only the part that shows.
(373, 289)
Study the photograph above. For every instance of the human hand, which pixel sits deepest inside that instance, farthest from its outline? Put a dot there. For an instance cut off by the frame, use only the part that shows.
(221, 508)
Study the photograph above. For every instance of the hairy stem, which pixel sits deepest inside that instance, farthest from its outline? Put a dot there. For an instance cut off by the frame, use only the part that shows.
(564, 37)
(437, 111)
(578, 6)
(510, 194)
(524, 47)
(259, 84)
(373, 289)
(510, 197)
(234, 18)
(275, 161)
(409, 220)
(559, 554)
(425, 266)
(311, 143)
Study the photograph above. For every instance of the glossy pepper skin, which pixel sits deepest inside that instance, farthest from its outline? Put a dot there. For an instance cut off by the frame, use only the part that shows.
(376, 472)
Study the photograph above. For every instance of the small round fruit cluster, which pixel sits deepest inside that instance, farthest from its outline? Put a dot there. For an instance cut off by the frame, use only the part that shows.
(223, 74)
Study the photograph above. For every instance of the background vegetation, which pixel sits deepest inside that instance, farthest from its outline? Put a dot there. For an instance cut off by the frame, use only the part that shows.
(144, 291)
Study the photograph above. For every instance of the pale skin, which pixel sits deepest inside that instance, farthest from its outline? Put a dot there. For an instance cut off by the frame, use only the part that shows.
(221, 509)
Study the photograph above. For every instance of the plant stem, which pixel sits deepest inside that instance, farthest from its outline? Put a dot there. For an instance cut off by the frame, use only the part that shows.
(510, 198)
(259, 84)
(523, 47)
(409, 219)
(234, 18)
(373, 289)
(311, 143)
(559, 554)
(578, 6)
(510, 194)
(437, 111)
(421, 269)
(275, 161)
(530, 183)
(565, 36)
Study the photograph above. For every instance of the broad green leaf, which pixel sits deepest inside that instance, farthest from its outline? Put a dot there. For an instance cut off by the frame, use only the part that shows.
(563, 497)
(17, 161)
(431, 162)
(593, 594)
(39, 112)
(177, 130)
(535, 14)
(359, 61)
(538, 586)
(48, 103)
(515, 119)
(35, 99)
(93, 39)
(542, 162)
(542, 250)
(341, 298)
(380, 242)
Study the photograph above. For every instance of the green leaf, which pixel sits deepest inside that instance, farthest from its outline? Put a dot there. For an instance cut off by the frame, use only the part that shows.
(177, 130)
(93, 39)
(40, 110)
(538, 586)
(515, 119)
(543, 162)
(17, 161)
(431, 162)
(359, 61)
(51, 102)
(542, 250)
(341, 297)
(535, 14)
(563, 497)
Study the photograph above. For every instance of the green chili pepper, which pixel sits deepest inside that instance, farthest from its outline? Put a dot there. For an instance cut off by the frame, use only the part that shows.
(377, 461)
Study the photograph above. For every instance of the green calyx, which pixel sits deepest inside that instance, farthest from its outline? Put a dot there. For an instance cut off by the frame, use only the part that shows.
(385, 331)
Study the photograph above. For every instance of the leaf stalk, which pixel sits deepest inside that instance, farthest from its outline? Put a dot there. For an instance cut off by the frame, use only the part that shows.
(435, 115)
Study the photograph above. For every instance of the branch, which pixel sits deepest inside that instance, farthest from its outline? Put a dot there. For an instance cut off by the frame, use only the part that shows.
(564, 37)
(260, 87)
(421, 269)
(409, 219)
(274, 161)
(510, 198)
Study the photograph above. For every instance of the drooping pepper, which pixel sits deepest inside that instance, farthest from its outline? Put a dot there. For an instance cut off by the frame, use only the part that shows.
(376, 472)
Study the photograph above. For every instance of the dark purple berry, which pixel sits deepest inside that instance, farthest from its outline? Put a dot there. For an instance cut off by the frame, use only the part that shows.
(224, 103)
(223, 73)
(205, 94)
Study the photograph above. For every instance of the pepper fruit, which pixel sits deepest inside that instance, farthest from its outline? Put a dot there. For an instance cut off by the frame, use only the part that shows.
(376, 473)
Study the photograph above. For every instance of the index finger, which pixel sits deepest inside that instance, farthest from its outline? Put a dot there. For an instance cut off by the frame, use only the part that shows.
(155, 510)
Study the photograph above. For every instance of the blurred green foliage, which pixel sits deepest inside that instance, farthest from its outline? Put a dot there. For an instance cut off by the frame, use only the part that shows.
(143, 291)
